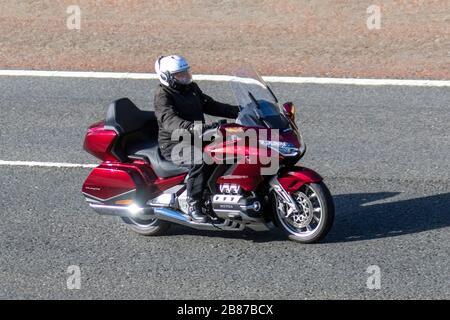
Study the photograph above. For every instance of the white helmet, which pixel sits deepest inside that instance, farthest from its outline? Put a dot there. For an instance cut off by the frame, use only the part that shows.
(173, 69)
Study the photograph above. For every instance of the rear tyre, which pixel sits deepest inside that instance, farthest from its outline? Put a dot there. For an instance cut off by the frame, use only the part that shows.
(152, 227)
(315, 218)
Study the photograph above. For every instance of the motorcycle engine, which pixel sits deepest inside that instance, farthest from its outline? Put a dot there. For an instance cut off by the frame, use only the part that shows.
(232, 203)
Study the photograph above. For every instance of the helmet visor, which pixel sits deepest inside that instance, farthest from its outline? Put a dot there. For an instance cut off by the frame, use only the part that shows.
(183, 77)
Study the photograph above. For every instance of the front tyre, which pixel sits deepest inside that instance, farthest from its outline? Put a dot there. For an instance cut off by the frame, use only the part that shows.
(150, 227)
(314, 218)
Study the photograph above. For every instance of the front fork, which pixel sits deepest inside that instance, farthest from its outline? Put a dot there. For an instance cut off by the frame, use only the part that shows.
(276, 186)
(287, 182)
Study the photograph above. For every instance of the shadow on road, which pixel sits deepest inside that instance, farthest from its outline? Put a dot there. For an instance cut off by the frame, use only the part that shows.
(361, 216)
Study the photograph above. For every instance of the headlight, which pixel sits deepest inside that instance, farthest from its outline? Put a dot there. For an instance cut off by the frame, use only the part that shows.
(284, 148)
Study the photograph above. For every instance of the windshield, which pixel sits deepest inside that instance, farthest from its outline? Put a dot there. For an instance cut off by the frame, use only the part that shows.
(259, 104)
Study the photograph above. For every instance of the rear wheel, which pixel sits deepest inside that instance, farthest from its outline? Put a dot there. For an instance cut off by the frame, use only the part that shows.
(147, 227)
(314, 218)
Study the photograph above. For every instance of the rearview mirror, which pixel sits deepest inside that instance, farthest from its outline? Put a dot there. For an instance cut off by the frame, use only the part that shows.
(289, 110)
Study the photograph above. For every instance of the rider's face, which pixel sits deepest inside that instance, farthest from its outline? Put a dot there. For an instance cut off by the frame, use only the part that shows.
(183, 77)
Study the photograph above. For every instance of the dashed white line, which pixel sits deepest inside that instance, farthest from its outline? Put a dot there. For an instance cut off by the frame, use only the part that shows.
(205, 77)
(78, 74)
(46, 164)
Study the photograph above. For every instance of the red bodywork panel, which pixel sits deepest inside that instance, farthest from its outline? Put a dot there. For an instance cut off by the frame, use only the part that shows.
(110, 180)
(247, 176)
(99, 142)
(113, 178)
(106, 182)
(166, 183)
(293, 179)
(252, 158)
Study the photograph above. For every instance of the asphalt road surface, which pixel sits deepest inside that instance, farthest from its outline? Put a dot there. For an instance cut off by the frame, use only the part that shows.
(384, 153)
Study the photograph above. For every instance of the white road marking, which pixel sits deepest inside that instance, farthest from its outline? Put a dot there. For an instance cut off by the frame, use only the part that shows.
(46, 164)
(297, 80)
(78, 74)
(361, 82)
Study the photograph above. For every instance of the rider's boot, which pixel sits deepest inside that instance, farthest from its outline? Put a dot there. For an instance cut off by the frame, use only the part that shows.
(195, 211)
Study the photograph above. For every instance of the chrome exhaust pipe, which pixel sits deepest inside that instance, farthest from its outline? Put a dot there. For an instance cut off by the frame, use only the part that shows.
(175, 216)
(171, 215)
(165, 214)
(133, 211)
(122, 211)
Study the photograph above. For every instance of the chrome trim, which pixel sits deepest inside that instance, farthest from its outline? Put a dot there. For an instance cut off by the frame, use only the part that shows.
(92, 200)
(103, 200)
(168, 198)
(230, 188)
(177, 217)
(287, 198)
(227, 199)
(237, 210)
(182, 202)
(163, 200)
(183, 219)
(175, 189)
(256, 206)
(122, 211)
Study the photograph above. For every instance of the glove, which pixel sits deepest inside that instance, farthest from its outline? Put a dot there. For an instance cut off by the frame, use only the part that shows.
(193, 129)
(209, 126)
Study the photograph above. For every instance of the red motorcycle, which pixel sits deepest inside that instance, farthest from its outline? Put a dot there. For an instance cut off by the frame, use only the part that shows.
(245, 190)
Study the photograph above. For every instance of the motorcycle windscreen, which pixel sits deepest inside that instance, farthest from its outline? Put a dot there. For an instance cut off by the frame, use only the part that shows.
(260, 106)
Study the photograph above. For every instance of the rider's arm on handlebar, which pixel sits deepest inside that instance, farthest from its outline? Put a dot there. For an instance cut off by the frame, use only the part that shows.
(217, 109)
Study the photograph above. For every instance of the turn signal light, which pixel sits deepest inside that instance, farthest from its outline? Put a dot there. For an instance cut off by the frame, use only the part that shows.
(124, 202)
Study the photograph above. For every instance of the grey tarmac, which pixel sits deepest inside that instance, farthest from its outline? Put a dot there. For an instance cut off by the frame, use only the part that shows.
(383, 151)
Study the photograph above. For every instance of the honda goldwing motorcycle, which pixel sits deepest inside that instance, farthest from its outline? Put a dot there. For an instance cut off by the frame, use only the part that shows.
(135, 183)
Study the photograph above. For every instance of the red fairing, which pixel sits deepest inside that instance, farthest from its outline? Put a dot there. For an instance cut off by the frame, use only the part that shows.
(290, 137)
(233, 149)
(99, 141)
(292, 180)
(234, 143)
(108, 181)
(104, 183)
(111, 180)
(247, 176)
(160, 184)
(166, 183)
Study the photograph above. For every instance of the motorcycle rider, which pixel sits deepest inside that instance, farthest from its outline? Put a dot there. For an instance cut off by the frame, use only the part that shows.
(179, 103)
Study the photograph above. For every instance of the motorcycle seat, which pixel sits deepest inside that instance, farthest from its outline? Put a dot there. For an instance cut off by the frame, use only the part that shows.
(124, 117)
(138, 134)
(162, 167)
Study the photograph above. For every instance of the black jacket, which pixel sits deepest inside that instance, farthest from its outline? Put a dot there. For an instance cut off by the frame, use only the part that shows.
(180, 108)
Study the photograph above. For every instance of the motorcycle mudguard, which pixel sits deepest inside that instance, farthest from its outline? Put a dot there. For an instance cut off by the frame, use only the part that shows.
(294, 178)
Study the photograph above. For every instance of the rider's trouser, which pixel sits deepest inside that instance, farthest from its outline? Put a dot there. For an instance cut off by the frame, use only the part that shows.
(199, 172)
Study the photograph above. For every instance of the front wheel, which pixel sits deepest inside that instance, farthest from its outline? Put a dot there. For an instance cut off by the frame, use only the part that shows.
(314, 218)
